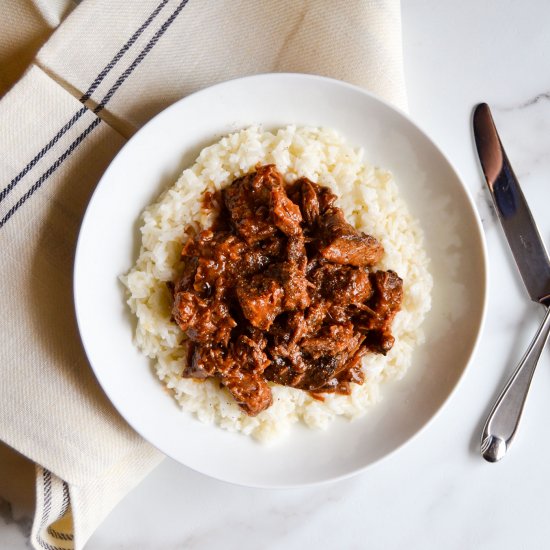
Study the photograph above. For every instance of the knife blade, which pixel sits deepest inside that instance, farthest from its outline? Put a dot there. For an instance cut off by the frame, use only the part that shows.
(515, 217)
(532, 260)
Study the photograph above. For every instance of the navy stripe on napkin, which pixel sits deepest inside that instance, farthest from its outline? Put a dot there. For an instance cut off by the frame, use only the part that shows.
(97, 81)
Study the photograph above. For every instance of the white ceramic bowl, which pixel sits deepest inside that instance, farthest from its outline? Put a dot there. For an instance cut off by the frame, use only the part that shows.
(156, 155)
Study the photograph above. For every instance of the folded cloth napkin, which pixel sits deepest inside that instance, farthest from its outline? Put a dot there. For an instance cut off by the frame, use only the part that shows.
(24, 27)
(108, 68)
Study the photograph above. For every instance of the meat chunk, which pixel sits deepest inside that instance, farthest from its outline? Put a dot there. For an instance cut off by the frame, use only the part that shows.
(332, 339)
(259, 256)
(315, 316)
(286, 214)
(248, 200)
(320, 372)
(248, 351)
(376, 316)
(312, 198)
(336, 349)
(342, 285)
(261, 300)
(387, 296)
(342, 244)
(202, 320)
(309, 203)
(251, 392)
(203, 362)
(210, 258)
(293, 275)
(380, 341)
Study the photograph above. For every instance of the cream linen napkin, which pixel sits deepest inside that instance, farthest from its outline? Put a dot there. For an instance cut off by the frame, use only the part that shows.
(107, 69)
(24, 27)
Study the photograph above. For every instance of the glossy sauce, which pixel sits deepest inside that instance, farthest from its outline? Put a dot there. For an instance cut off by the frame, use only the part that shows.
(281, 289)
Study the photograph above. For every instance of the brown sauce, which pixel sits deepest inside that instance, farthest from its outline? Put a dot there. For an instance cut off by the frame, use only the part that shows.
(281, 289)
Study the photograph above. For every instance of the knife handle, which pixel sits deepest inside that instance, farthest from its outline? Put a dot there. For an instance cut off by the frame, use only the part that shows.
(503, 420)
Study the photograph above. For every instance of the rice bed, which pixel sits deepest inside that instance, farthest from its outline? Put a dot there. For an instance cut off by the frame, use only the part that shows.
(370, 200)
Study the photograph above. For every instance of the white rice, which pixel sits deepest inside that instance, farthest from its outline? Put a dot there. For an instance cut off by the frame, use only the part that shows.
(370, 200)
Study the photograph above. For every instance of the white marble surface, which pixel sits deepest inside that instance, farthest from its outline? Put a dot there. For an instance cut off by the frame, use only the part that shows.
(436, 492)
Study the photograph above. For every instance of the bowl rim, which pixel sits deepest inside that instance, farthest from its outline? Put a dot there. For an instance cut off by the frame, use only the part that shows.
(480, 234)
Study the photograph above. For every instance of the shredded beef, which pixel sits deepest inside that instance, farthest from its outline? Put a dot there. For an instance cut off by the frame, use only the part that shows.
(281, 289)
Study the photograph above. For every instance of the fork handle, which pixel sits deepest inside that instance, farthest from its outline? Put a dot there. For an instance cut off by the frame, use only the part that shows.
(502, 422)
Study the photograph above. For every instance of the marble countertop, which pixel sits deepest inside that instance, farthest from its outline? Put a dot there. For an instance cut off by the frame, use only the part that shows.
(436, 492)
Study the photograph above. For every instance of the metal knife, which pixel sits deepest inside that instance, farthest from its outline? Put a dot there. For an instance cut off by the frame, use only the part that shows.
(534, 266)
